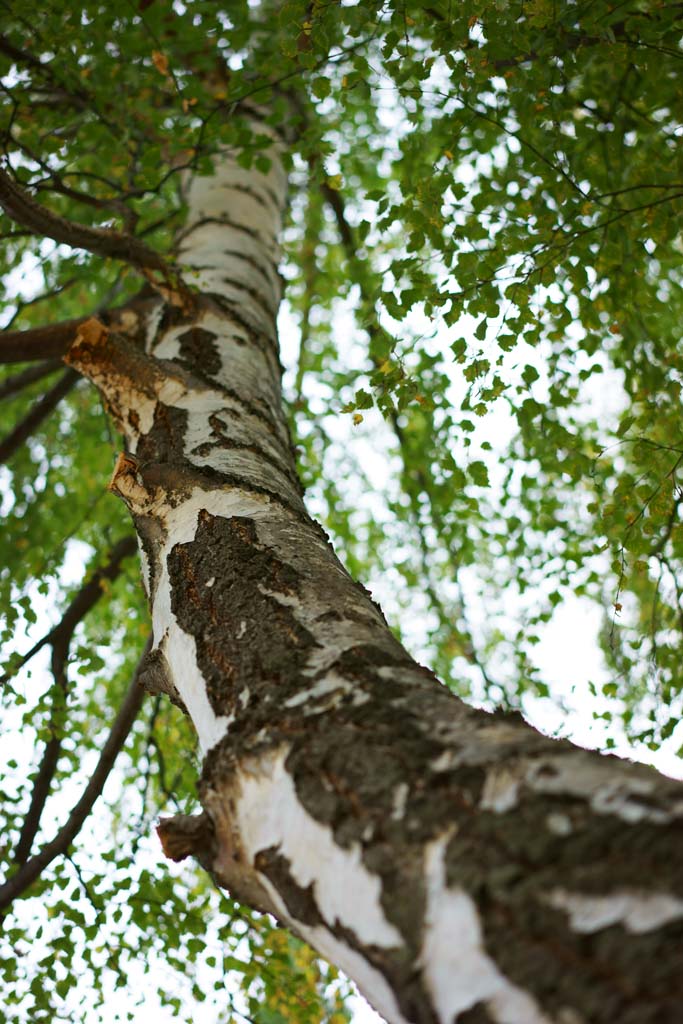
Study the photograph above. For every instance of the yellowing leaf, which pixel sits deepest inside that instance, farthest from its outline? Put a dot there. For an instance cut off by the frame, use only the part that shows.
(160, 61)
(335, 182)
(357, 418)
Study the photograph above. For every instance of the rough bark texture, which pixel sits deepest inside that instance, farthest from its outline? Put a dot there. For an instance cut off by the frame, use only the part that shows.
(456, 864)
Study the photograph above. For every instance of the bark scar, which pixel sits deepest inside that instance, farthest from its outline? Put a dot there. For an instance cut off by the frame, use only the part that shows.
(212, 844)
(188, 834)
(155, 677)
(125, 482)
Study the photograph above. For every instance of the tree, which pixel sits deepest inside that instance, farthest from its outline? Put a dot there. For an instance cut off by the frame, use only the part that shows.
(526, 206)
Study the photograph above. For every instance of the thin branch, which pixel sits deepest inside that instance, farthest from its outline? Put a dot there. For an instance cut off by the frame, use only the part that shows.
(15, 384)
(336, 202)
(22, 208)
(59, 845)
(40, 411)
(87, 596)
(28, 59)
(21, 305)
(82, 602)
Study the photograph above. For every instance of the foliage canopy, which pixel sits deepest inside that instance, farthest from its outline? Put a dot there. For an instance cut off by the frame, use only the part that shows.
(483, 266)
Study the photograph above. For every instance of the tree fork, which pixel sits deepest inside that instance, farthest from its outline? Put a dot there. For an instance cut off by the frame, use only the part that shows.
(457, 864)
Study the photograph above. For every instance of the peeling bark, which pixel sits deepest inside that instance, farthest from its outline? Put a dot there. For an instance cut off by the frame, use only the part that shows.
(458, 865)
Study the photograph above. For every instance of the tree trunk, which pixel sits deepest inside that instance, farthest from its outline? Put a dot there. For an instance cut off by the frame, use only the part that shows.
(456, 864)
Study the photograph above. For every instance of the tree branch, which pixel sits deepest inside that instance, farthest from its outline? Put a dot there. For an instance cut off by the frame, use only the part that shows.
(82, 601)
(87, 596)
(32, 869)
(24, 57)
(23, 209)
(17, 382)
(40, 411)
(54, 340)
(336, 202)
(50, 342)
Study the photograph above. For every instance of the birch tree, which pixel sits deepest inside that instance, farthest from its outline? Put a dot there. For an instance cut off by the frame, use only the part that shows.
(497, 195)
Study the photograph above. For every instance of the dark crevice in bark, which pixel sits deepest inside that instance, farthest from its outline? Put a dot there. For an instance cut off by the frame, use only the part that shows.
(159, 464)
(258, 195)
(261, 413)
(396, 966)
(228, 223)
(219, 439)
(301, 903)
(260, 300)
(255, 264)
(477, 1014)
(181, 478)
(261, 339)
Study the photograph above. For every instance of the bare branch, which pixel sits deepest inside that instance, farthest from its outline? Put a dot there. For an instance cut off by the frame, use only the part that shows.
(21, 305)
(24, 210)
(61, 636)
(17, 382)
(40, 411)
(48, 342)
(54, 340)
(82, 602)
(59, 845)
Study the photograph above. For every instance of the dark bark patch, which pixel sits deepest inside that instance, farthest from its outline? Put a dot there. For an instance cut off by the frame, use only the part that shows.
(366, 773)
(166, 438)
(300, 902)
(220, 438)
(510, 863)
(397, 968)
(151, 535)
(477, 1014)
(223, 587)
(199, 352)
(171, 316)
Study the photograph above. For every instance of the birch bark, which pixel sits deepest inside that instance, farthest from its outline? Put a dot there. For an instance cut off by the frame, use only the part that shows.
(456, 864)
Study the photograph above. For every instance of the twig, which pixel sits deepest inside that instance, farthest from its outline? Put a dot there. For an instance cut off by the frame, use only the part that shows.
(60, 640)
(17, 382)
(33, 868)
(22, 208)
(82, 601)
(40, 411)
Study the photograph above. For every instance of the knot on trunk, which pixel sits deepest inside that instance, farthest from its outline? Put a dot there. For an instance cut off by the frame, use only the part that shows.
(186, 835)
